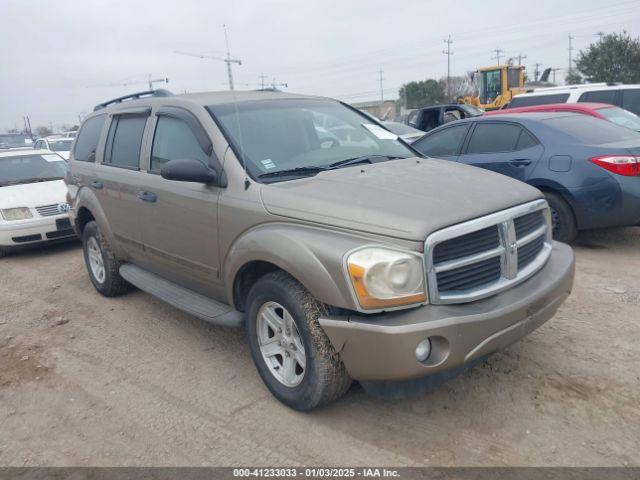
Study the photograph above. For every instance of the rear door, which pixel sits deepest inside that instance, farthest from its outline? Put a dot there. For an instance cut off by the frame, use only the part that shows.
(180, 219)
(503, 147)
(119, 179)
(443, 143)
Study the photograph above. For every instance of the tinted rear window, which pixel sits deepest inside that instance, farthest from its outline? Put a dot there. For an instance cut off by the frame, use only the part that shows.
(125, 140)
(600, 96)
(631, 100)
(87, 141)
(591, 130)
(494, 137)
(522, 101)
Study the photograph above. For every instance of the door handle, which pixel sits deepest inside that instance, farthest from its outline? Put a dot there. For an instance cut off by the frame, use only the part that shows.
(96, 184)
(520, 162)
(147, 196)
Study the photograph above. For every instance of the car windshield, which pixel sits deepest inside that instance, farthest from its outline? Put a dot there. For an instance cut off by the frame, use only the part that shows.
(31, 168)
(591, 130)
(61, 145)
(621, 117)
(304, 134)
(14, 140)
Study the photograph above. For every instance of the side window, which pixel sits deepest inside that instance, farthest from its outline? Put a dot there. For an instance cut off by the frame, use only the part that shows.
(526, 140)
(600, 96)
(444, 142)
(125, 140)
(529, 101)
(87, 141)
(631, 100)
(174, 140)
(494, 138)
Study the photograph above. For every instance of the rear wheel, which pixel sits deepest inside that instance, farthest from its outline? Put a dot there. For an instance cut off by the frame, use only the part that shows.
(101, 263)
(293, 355)
(562, 219)
(2, 252)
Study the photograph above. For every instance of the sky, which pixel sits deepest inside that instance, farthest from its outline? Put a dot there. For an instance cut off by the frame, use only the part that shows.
(58, 58)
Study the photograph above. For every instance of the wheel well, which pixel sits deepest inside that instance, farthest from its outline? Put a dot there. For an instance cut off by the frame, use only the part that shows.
(246, 277)
(544, 189)
(84, 216)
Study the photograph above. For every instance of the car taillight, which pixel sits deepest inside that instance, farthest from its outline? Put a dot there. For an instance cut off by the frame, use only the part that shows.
(627, 165)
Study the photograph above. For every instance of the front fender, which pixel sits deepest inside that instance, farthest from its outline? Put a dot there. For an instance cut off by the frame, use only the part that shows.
(312, 255)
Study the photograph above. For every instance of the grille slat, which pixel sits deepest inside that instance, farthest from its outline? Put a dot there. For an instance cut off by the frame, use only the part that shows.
(527, 253)
(48, 210)
(465, 245)
(470, 276)
(528, 223)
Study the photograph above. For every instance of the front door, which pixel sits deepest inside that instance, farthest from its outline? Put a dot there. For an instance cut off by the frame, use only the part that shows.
(180, 219)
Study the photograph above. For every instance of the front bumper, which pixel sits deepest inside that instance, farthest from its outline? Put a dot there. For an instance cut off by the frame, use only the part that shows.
(34, 231)
(382, 347)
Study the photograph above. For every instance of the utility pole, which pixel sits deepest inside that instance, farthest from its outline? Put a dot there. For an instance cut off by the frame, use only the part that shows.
(448, 53)
(499, 52)
(554, 70)
(571, 38)
(262, 77)
(520, 58)
(600, 34)
(536, 72)
(274, 85)
(381, 89)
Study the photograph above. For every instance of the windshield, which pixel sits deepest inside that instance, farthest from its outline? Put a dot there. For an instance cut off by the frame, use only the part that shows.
(62, 145)
(621, 117)
(31, 168)
(285, 134)
(490, 85)
(14, 140)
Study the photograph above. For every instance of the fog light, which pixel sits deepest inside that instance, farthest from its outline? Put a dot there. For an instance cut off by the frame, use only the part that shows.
(423, 350)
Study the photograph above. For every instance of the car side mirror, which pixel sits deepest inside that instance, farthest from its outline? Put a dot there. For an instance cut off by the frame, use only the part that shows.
(188, 170)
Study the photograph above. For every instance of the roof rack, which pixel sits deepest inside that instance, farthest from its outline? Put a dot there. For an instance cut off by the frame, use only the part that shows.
(160, 92)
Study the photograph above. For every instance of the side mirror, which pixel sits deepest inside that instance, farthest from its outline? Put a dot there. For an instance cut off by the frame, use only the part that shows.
(188, 170)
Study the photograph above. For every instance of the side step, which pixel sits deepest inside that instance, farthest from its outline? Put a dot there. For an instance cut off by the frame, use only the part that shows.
(182, 298)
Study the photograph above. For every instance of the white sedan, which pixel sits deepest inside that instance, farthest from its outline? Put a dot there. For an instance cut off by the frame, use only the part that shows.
(62, 146)
(33, 206)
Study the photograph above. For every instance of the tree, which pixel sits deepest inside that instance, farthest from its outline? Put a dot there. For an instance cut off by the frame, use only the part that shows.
(43, 131)
(573, 78)
(615, 58)
(422, 93)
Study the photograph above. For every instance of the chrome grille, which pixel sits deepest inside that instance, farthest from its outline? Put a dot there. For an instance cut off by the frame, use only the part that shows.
(484, 256)
(48, 210)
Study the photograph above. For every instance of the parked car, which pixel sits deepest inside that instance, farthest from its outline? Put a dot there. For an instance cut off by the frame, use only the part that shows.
(407, 133)
(361, 261)
(623, 96)
(69, 134)
(602, 111)
(428, 118)
(587, 168)
(33, 208)
(60, 145)
(15, 140)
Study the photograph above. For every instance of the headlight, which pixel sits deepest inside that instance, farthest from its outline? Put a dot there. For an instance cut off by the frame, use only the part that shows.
(382, 277)
(19, 213)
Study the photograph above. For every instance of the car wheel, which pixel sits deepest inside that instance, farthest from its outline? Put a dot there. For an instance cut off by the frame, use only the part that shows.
(293, 355)
(563, 221)
(101, 263)
(2, 252)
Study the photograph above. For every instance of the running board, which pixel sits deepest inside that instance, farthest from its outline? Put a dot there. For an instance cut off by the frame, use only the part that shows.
(182, 298)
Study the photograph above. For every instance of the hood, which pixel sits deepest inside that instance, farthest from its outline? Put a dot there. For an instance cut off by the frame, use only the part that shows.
(33, 194)
(64, 154)
(407, 199)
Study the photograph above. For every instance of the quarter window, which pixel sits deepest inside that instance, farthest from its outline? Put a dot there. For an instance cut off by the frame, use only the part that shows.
(442, 143)
(174, 140)
(125, 140)
(599, 96)
(631, 100)
(493, 138)
(529, 101)
(87, 141)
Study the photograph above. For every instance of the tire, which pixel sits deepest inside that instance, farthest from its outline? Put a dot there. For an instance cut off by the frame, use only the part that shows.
(2, 252)
(563, 220)
(108, 282)
(324, 378)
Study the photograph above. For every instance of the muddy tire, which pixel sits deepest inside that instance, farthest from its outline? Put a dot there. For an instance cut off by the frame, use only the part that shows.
(293, 355)
(562, 218)
(102, 265)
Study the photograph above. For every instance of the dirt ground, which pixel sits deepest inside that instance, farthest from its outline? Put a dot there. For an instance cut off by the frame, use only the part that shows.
(86, 380)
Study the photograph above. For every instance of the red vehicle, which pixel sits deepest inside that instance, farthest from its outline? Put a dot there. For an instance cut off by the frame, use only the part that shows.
(603, 111)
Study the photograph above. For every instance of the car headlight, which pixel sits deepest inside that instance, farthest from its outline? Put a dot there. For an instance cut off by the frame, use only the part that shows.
(383, 277)
(20, 213)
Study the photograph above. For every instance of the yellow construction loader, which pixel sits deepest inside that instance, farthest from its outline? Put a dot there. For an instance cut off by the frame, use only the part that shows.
(497, 85)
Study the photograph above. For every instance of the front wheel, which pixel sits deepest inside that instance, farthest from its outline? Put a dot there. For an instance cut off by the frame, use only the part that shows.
(562, 219)
(293, 355)
(101, 263)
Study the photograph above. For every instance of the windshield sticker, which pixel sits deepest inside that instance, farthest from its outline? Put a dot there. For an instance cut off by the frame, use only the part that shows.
(268, 163)
(380, 132)
(53, 158)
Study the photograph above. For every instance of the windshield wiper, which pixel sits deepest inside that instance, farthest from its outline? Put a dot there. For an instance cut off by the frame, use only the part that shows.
(294, 172)
(362, 159)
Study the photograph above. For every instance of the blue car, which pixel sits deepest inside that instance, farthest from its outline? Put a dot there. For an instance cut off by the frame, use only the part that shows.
(588, 169)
